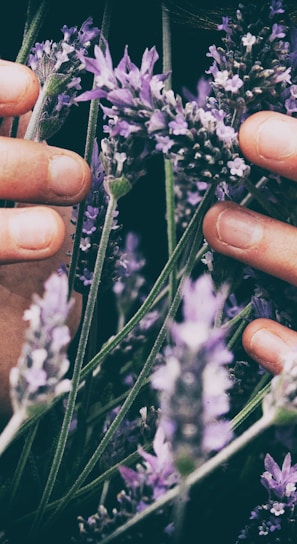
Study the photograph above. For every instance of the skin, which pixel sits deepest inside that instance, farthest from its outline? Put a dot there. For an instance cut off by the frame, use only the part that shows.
(270, 140)
(35, 235)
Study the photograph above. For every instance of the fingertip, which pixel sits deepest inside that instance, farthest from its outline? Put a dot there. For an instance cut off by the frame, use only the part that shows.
(268, 343)
(269, 139)
(19, 88)
(248, 132)
(30, 233)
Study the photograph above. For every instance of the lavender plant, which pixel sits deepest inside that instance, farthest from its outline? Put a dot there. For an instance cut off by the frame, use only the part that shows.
(114, 430)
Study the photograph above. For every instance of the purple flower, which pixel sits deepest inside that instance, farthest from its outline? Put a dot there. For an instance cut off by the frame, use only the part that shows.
(194, 379)
(58, 68)
(276, 7)
(278, 31)
(225, 26)
(157, 472)
(280, 481)
(276, 515)
(94, 215)
(37, 378)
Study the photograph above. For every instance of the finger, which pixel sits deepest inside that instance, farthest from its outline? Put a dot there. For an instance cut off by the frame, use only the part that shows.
(19, 88)
(252, 238)
(35, 172)
(269, 139)
(30, 233)
(268, 343)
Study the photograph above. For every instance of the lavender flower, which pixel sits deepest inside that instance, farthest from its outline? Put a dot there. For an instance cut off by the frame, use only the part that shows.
(58, 68)
(280, 482)
(144, 119)
(193, 382)
(275, 519)
(129, 288)
(151, 479)
(252, 69)
(94, 216)
(37, 378)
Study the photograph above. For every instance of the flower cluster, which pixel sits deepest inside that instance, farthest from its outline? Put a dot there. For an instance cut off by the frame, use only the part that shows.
(274, 520)
(37, 378)
(151, 479)
(58, 68)
(252, 70)
(145, 118)
(194, 379)
(93, 221)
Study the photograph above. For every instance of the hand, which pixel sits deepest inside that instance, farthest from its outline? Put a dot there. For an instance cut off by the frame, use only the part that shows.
(269, 140)
(34, 239)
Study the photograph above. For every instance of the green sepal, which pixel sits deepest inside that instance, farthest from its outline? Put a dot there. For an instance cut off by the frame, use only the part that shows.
(117, 187)
(56, 83)
(184, 463)
(280, 414)
(284, 416)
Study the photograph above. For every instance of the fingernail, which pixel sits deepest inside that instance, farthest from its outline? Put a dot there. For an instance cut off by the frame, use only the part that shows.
(276, 139)
(272, 348)
(13, 83)
(239, 228)
(32, 229)
(66, 175)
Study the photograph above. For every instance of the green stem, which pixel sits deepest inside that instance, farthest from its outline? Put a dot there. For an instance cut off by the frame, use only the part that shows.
(91, 488)
(78, 363)
(32, 128)
(31, 33)
(170, 218)
(169, 175)
(197, 476)
(254, 403)
(21, 465)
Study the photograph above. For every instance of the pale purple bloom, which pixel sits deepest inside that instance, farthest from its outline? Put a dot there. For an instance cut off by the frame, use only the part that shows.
(156, 472)
(248, 41)
(58, 68)
(277, 513)
(94, 215)
(38, 377)
(203, 89)
(233, 84)
(283, 76)
(238, 166)
(278, 31)
(280, 481)
(130, 264)
(225, 26)
(179, 125)
(276, 7)
(226, 133)
(146, 117)
(194, 379)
